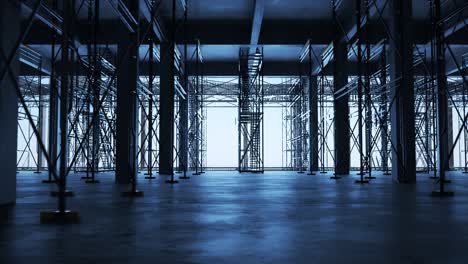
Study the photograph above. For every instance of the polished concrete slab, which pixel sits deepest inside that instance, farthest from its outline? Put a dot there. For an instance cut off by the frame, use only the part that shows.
(226, 217)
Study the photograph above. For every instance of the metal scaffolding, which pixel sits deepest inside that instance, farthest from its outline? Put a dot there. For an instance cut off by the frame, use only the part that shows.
(295, 130)
(197, 114)
(250, 125)
(399, 103)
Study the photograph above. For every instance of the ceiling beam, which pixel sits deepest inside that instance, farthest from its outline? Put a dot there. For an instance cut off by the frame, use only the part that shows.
(455, 28)
(274, 32)
(271, 68)
(257, 22)
(158, 26)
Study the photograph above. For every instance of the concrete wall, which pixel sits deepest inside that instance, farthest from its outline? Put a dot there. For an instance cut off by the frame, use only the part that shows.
(9, 32)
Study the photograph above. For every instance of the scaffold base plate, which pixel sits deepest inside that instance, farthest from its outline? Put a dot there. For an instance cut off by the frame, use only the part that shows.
(442, 194)
(133, 194)
(48, 181)
(67, 193)
(361, 181)
(57, 217)
(92, 181)
(172, 181)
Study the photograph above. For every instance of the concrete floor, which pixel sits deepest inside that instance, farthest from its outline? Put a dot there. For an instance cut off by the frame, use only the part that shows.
(225, 217)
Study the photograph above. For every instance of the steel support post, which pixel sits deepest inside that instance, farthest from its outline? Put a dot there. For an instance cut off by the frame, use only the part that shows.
(96, 90)
(305, 124)
(53, 108)
(184, 108)
(450, 162)
(40, 119)
(66, 72)
(359, 91)
(150, 111)
(166, 112)
(313, 123)
(127, 107)
(169, 88)
(383, 109)
(341, 110)
(402, 116)
(196, 133)
(427, 128)
(441, 102)
(368, 96)
(65, 86)
(203, 119)
(9, 31)
(143, 136)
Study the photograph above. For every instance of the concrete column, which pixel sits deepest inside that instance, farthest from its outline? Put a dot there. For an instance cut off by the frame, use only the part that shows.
(341, 110)
(166, 112)
(441, 98)
(313, 123)
(10, 19)
(127, 104)
(402, 91)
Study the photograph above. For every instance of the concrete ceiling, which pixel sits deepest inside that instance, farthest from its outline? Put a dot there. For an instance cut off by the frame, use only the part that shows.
(223, 26)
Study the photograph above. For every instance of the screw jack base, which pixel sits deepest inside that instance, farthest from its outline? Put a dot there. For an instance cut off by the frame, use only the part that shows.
(67, 193)
(172, 181)
(57, 217)
(133, 194)
(447, 181)
(151, 177)
(442, 194)
(184, 177)
(361, 181)
(92, 181)
(48, 181)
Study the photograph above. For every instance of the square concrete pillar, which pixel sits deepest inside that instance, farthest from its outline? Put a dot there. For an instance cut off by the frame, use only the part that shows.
(9, 34)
